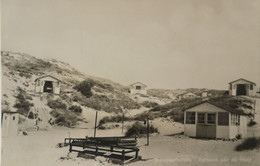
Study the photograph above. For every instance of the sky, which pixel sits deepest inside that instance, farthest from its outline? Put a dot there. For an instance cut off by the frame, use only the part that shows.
(166, 44)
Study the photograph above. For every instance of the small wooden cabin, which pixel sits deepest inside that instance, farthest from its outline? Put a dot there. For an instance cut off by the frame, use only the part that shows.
(138, 88)
(207, 120)
(47, 84)
(10, 124)
(242, 87)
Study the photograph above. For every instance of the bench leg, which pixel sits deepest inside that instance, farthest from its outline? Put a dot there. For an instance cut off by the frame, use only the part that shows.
(70, 148)
(123, 155)
(136, 153)
(96, 150)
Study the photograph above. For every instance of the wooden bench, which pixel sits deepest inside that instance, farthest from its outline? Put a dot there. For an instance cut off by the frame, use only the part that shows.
(112, 147)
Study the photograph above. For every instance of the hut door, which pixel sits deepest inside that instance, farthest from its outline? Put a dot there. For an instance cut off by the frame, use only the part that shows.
(241, 89)
(206, 125)
(48, 87)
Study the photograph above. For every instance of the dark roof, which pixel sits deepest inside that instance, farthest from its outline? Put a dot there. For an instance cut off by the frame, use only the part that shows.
(138, 83)
(243, 80)
(10, 112)
(221, 107)
(47, 76)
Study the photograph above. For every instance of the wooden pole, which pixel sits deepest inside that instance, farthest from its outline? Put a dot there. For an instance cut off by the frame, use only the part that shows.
(148, 130)
(254, 109)
(95, 124)
(123, 118)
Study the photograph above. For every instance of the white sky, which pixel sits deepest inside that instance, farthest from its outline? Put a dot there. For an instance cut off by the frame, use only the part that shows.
(162, 43)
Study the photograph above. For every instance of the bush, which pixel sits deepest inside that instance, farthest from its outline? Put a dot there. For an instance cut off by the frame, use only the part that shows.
(139, 129)
(22, 104)
(117, 118)
(149, 104)
(249, 144)
(251, 123)
(76, 108)
(65, 118)
(56, 104)
(85, 87)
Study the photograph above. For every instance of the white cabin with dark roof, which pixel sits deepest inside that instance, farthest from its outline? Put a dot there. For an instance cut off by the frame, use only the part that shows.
(242, 87)
(207, 120)
(47, 84)
(138, 88)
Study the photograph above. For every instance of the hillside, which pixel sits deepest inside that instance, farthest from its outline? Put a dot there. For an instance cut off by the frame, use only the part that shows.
(20, 70)
(72, 107)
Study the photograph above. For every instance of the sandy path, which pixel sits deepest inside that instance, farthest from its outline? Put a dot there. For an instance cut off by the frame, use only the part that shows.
(39, 148)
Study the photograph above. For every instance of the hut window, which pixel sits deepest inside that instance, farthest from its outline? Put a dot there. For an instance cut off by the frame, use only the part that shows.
(230, 86)
(234, 120)
(211, 119)
(251, 86)
(223, 118)
(238, 120)
(201, 118)
(190, 117)
(13, 117)
(138, 87)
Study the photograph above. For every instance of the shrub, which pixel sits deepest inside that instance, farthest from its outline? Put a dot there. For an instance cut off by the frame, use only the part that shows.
(24, 74)
(249, 144)
(76, 108)
(149, 104)
(117, 118)
(65, 117)
(56, 104)
(22, 104)
(139, 129)
(251, 123)
(85, 87)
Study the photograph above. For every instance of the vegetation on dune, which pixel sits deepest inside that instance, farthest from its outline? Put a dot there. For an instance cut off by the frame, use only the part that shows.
(116, 118)
(85, 87)
(75, 108)
(251, 123)
(149, 104)
(65, 117)
(22, 104)
(137, 129)
(105, 97)
(249, 144)
(57, 104)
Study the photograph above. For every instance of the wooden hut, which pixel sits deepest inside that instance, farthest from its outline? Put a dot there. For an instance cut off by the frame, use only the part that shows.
(207, 120)
(242, 87)
(10, 124)
(47, 84)
(138, 88)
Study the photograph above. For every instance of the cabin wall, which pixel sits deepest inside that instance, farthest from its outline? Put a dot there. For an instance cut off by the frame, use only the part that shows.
(222, 132)
(242, 130)
(10, 125)
(190, 130)
(133, 89)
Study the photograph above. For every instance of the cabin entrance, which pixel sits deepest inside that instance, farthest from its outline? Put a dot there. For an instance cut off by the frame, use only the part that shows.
(206, 125)
(48, 87)
(241, 89)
